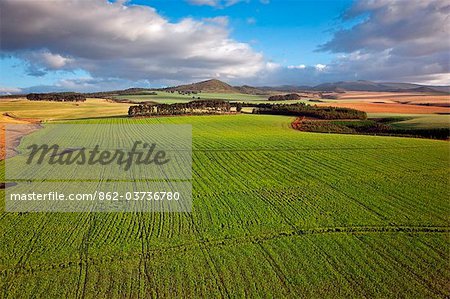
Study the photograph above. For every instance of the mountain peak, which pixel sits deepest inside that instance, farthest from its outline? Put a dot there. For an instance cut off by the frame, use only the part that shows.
(211, 85)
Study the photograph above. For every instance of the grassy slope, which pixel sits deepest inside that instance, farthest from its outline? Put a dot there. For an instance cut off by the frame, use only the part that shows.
(168, 97)
(276, 211)
(46, 111)
(426, 121)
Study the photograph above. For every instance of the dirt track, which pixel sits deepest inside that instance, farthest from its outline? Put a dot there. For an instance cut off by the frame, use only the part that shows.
(8, 142)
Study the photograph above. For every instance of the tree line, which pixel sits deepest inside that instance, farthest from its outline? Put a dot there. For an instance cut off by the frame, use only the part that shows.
(301, 109)
(286, 97)
(57, 97)
(193, 108)
(370, 127)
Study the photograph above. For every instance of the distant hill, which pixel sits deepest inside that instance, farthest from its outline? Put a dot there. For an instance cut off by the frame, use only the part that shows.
(440, 89)
(363, 85)
(217, 86)
(351, 85)
(213, 85)
(286, 88)
(251, 90)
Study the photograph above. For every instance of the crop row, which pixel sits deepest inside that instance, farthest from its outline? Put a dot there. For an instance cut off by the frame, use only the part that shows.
(275, 212)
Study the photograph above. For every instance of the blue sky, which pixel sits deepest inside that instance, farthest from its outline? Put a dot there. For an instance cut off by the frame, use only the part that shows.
(96, 45)
(286, 31)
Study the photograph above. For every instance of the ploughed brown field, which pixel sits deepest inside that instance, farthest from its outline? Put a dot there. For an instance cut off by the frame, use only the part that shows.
(390, 108)
(392, 102)
(399, 97)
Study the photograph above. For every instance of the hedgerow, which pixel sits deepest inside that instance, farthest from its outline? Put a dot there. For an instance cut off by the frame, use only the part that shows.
(57, 97)
(301, 109)
(193, 107)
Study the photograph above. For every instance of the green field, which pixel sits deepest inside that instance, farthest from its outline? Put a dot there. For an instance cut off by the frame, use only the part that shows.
(277, 213)
(427, 121)
(415, 121)
(168, 97)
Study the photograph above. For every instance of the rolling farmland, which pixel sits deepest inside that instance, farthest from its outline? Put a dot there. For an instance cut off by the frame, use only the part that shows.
(168, 97)
(48, 111)
(393, 102)
(390, 107)
(225, 149)
(276, 212)
(425, 121)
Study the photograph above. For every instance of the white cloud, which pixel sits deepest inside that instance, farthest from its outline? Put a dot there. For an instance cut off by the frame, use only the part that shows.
(433, 79)
(271, 66)
(215, 3)
(46, 60)
(221, 20)
(125, 46)
(320, 67)
(297, 67)
(9, 90)
(54, 60)
(398, 40)
(110, 40)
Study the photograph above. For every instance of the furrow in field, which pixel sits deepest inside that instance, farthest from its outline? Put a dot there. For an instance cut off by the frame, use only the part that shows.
(229, 241)
(397, 257)
(399, 198)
